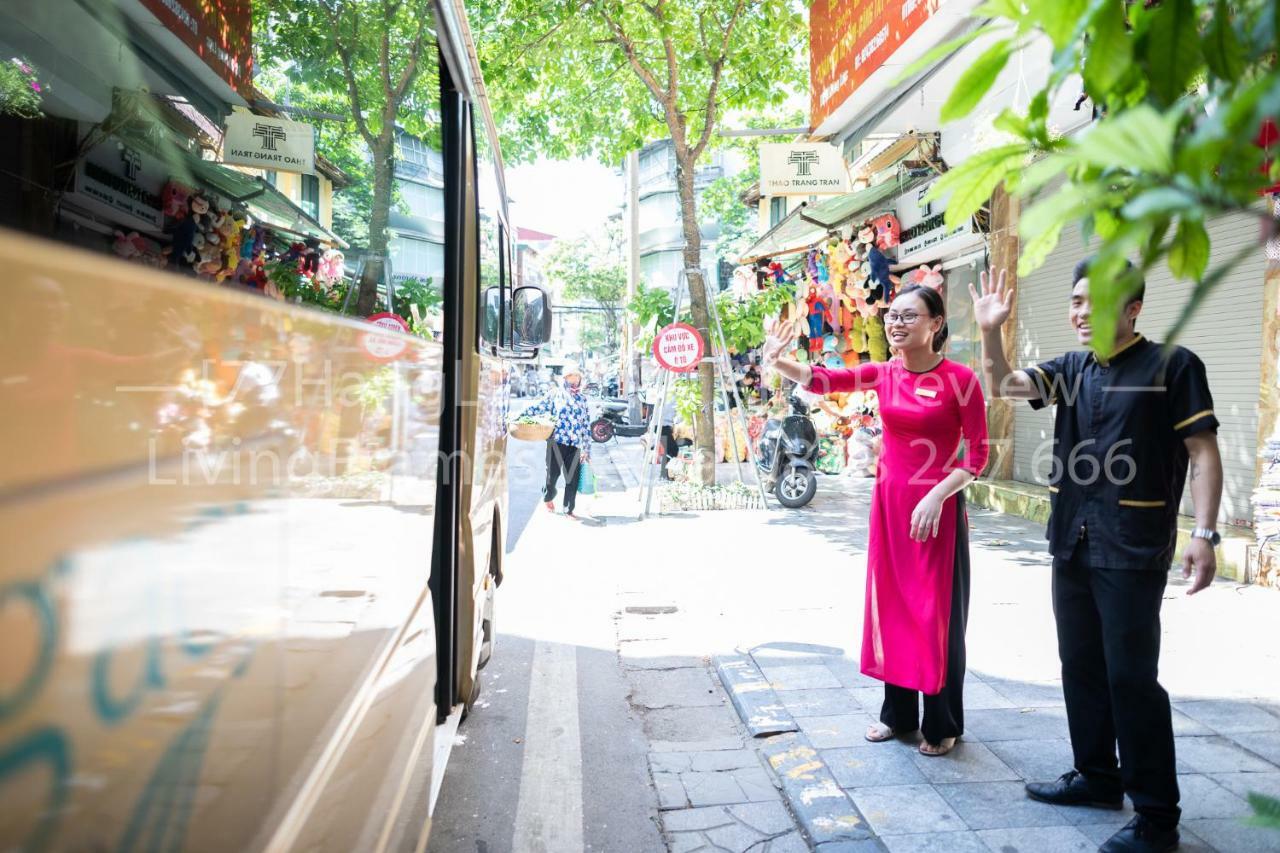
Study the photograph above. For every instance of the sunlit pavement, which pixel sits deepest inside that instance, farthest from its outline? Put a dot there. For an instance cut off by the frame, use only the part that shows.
(603, 725)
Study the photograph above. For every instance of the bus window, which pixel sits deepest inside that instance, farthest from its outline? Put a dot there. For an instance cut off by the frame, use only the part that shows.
(491, 216)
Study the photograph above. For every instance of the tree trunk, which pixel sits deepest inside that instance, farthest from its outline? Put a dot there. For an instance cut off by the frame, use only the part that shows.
(384, 165)
(705, 438)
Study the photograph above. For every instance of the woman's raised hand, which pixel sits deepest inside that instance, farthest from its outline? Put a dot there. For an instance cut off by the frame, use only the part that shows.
(779, 335)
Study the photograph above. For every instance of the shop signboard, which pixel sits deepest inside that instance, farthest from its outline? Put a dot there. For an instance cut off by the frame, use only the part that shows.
(678, 348)
(123, 183)
(927, 234)
(269, 143)
(217, 31)
(850, 39)
(802, 168)
(383, 347)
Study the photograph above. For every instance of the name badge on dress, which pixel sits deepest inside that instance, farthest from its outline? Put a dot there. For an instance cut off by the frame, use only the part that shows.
(926, 392)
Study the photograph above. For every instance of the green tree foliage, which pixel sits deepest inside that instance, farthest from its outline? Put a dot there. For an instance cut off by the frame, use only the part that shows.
(722, 201)
(603, 77)
(376, 60)
(1182, 88)
(592, 273)
(1266, 811)
(744, 321)
(339, 141)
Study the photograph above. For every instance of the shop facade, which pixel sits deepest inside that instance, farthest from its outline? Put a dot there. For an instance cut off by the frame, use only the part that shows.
(862, 103)
(128, 154)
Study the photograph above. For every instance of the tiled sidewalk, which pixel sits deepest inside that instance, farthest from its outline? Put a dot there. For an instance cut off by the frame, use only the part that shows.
(737, 581)
(722, 795)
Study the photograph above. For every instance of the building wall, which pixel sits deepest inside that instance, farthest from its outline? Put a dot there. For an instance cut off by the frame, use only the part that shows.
(661, 241)
(417, 242)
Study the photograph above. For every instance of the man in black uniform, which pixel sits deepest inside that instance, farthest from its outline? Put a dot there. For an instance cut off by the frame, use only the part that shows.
(1127, 426)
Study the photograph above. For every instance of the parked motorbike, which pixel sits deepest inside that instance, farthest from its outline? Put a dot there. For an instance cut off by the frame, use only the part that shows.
(788, 448)
(613, 420)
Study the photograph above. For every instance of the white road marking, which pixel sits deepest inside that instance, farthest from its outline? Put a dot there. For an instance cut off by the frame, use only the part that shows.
(549, 812)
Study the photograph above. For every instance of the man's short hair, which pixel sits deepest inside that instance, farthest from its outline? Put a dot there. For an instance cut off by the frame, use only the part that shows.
(1082, 271)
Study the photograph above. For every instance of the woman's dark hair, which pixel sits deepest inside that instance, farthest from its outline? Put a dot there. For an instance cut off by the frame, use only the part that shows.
(932, 300)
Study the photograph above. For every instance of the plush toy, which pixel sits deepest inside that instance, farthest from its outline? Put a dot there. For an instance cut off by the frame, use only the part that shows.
(198, 211)
(333, 267)
(927, 276)
(832, 314)
(877, 343)
(817, 313)
(778, 273)
(254, 244)
(876, 266)
(209, 262)
(129, 246)
(174, 198)
(309, 261)
(888, 231)
(229, 228)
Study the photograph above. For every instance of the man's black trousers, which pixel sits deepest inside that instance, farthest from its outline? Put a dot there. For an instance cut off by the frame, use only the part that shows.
(1109, 643)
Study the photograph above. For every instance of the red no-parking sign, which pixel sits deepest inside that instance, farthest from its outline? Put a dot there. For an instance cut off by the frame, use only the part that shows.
(678, 348)
(383, 347)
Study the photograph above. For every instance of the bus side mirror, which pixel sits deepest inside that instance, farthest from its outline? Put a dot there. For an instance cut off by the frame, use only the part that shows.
(530, 317)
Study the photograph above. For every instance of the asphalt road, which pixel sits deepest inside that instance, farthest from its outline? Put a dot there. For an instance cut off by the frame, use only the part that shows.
(554, 675)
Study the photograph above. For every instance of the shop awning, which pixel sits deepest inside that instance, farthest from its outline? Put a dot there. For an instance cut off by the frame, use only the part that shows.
(809, 223)
(264, 202)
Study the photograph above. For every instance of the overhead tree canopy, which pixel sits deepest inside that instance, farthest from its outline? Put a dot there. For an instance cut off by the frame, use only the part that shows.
(1184, 88)
(377, 61)
(603, 77)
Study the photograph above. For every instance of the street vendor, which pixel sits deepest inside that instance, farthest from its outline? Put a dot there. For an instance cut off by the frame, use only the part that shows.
(570, 442)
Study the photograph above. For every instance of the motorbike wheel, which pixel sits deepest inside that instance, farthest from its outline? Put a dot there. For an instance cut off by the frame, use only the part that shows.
(795, 486)
(601, 430)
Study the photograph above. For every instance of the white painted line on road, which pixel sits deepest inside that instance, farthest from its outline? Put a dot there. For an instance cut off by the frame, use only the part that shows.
(549, 812)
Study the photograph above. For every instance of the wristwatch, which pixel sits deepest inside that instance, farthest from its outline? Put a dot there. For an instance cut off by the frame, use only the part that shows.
(1214, 537)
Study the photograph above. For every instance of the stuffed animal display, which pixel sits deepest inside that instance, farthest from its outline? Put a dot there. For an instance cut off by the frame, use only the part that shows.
(840, 287)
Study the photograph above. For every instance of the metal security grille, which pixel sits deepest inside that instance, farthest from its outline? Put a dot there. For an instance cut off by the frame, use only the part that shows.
(1226, 333)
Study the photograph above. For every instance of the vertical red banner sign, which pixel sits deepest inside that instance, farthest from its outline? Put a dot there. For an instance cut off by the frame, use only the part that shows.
(220, 32)
(850, 39)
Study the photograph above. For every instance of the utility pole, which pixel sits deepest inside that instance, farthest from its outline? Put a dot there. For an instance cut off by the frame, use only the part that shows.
(631, 331)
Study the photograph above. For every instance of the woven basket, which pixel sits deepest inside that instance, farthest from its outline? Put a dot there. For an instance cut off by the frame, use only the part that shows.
(530, 432)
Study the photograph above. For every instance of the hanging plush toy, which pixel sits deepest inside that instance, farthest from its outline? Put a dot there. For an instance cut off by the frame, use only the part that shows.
(927, 276)
(877, 343)
(778, 273)
(186, 254)
(888, 231)
(229, 229)
(817, 312)
(333, 268)
(174, 198)
(309, 263)
(876, 265)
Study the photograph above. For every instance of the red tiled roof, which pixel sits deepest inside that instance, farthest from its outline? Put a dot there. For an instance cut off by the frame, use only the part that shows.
(531, 236)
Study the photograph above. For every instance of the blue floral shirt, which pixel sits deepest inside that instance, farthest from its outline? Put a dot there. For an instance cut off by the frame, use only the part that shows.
(572, 419)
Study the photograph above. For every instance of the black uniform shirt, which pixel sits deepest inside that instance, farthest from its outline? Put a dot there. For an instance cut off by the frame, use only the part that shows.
(1119, 461)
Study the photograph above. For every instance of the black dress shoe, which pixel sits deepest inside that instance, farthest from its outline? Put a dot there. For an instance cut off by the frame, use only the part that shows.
(1072, 789)
(1142, 836)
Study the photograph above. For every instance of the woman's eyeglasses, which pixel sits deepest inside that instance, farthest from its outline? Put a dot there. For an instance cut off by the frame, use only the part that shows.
(906, 319)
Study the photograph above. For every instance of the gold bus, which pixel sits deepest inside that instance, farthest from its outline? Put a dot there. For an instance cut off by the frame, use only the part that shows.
(248, 549)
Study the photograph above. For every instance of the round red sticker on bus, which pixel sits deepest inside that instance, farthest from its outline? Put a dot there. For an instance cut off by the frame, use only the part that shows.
(385, 347)
(678, 348)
